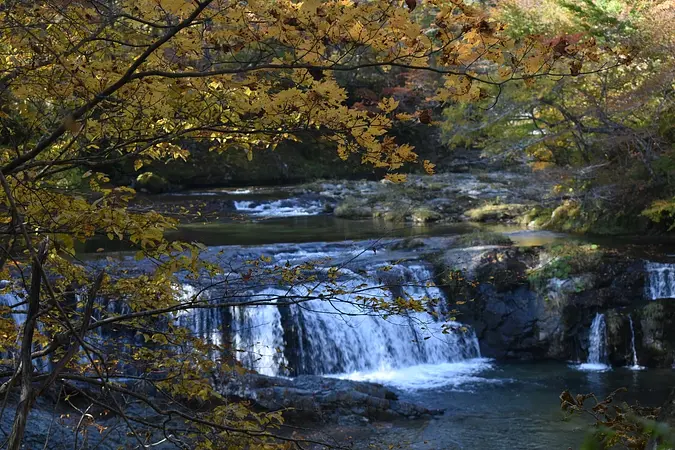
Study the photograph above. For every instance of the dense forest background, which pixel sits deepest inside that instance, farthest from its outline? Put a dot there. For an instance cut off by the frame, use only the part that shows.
(605, 137)
(434, 122)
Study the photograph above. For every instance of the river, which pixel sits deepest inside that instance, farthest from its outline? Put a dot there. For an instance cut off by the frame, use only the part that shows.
(488, 405)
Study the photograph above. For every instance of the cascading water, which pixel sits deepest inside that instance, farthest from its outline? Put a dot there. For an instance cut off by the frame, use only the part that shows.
(280, 208)
(597, 345)
(636, 365)
(340, 335)
(660, 280)
(12, 300)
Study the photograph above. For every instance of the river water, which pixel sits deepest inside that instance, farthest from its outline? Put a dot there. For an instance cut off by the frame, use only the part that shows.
(488, 405)
(514, 406)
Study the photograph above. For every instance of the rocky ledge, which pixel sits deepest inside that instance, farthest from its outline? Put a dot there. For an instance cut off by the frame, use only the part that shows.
(305, 400)
(327, 400)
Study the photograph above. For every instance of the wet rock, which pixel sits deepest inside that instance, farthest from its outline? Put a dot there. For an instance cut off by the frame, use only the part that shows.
(656, 330)
(496, 212)
(518, 314)
(316, 398)
(350, 209)
(424, 215)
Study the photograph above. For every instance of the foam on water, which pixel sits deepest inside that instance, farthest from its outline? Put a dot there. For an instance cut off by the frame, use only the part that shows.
(456, 375)
(280, 208)
(593, 367)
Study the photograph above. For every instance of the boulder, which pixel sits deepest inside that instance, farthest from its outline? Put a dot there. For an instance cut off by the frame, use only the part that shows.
(521, 310)
(316, 398)
(351, 209)
(151, 183)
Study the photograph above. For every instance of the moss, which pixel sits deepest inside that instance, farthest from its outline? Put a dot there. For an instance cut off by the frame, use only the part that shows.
(424, 215)
(563, 261)
(393, 216)
(568, 217)
(151, 183)
(653, 311)
(536, 217)
(483, 238)
(353, 209)
(495, 212)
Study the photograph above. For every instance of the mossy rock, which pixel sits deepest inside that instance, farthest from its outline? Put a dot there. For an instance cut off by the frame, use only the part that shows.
(151, 183)
(425, 215)
(389, 215)
(495, 212)
(536, 218)
(351, 209)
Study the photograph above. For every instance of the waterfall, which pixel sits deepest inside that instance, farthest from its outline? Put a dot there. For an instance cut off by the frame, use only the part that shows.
(597, 345)
(597, 351)
(8, 300)
(660, 280)
(635, 365)
(340, 335)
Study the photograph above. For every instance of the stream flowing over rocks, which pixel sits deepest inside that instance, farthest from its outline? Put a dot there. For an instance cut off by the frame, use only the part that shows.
(317, 347)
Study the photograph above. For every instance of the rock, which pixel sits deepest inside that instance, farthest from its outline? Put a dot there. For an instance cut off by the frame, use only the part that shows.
(58, 427)
(351, 209)
(657, 333)
(407, 244)
(519, 314)
(496, 213)
(316, 398)
(424, 215)
(151, 183)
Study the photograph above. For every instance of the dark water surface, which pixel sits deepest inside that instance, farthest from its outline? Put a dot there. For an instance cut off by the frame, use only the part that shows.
(516, 406)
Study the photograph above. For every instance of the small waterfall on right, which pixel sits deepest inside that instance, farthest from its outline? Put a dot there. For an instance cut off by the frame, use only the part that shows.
(660, 282)
(597, 346)
(636, 365)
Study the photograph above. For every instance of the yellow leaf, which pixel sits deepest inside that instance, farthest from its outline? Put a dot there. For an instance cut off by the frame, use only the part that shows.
(396, 177)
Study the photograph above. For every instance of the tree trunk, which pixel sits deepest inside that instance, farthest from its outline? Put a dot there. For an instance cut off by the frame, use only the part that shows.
(26, 363)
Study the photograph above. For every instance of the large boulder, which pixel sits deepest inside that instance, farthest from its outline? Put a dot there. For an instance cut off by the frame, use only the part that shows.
(533, 303)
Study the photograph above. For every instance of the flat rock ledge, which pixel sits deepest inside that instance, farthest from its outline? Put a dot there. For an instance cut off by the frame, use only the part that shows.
(328, 400)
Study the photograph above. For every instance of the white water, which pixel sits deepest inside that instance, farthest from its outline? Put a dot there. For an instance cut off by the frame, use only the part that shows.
(344, 336)
(597, 346)
(660, 280)
(636, 365)
(258, 337)
(10, 300)
(458, 376)
(280, 208)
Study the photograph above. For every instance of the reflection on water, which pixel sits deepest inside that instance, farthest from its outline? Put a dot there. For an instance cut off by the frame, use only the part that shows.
(322, 228)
